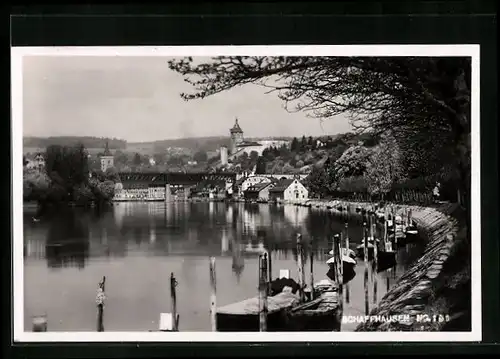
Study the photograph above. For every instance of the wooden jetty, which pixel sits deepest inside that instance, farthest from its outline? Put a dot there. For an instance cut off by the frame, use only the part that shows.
(290, 309)
(323, 313)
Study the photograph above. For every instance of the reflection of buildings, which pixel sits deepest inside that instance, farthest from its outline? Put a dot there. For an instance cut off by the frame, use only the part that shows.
(34, 248)
(224, 242)
(152, 235)
(295, 215)
(69, 253)
(229, 214)
(119, 212)
(67, 243)
(237, 256)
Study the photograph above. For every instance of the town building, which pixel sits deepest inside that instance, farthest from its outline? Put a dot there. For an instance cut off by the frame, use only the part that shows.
(239, 145)
(223, 155)
(289, 190)
(258, 192)
(107, 159)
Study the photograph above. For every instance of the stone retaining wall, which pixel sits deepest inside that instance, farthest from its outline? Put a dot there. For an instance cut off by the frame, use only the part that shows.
(413, 294)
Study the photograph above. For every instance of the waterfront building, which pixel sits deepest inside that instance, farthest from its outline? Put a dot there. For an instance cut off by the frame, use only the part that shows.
(289, 190)
(259, 191)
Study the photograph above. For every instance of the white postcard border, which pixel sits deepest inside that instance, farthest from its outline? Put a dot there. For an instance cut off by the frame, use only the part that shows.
(20, 335)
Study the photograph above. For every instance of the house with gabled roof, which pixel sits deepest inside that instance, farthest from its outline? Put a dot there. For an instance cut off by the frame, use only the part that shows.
(289, 190)
(258, 191)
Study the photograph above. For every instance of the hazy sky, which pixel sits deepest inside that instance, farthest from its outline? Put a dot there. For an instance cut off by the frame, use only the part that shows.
(137, 99)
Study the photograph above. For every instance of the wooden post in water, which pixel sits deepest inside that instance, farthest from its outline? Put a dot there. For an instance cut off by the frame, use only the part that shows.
(269, 271)
(300, 267)
(339, 266)
(375, 261)
(40, 323)
(263, 292)
(213, 295)
(311, 267)
(173, 303)
(347, 292)
(365, 247)
(101, 296)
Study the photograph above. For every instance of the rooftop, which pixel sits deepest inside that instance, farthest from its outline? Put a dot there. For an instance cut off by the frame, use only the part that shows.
(248, 143)
(258, 187)
(282, 185)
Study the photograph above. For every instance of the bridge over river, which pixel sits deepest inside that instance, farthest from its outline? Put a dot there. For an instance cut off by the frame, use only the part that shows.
(184, 180)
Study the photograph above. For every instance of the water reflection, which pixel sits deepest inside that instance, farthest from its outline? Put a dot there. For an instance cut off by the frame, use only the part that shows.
(67, 242)
(140, 243)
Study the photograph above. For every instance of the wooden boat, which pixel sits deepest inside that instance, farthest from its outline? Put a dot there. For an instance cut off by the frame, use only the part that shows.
(346, 262)
(348, 272)
(321, 314)
(249, 249)
(360, 249)
(411, 233)
(385, 260)
(244, 316)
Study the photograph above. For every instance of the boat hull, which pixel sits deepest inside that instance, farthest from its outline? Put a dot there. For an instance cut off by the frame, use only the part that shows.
(385, 260)
(322, 314)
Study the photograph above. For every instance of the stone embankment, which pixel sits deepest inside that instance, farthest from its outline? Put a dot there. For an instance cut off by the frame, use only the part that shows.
(436, 288)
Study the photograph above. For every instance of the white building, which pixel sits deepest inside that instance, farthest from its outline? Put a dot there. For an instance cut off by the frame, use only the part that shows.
(289, 190)
(239, 145)
(223, 155)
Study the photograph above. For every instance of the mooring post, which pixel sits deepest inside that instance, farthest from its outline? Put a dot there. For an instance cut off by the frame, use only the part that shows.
(346, 236)
(101, 296)
(263, 292)
(339, 264)
(375, 261)
(213, 296)
(269, 271)
(365, 246)
(347, 292)
(173, 303)
(300, 267)
(40, 323)
(311, 264)
(168, 193)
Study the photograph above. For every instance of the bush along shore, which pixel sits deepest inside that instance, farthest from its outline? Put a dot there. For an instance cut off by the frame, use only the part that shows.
(436, 289)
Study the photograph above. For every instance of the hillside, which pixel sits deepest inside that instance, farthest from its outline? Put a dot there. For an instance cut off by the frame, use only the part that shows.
(87, 141)
(206, 144)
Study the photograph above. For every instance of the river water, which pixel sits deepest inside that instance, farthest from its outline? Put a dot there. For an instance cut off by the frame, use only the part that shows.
(138, 245)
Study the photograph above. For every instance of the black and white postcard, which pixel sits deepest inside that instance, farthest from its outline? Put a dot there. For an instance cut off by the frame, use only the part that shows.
(246, 193)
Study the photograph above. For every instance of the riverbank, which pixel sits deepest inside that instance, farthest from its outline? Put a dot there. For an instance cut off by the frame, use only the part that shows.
(437, 287)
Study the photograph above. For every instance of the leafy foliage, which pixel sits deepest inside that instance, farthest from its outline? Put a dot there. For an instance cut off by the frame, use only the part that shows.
(423, 101)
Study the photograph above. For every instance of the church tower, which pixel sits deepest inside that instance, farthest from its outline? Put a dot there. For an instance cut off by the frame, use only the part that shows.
(236, 136)
(107, 159)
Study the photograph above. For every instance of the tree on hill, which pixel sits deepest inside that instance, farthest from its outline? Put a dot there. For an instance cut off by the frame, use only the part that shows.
(303, 144)
(261, 166)
(70, 164)
(200, 156)
(137, 161)
(295, 146)
(353, 162)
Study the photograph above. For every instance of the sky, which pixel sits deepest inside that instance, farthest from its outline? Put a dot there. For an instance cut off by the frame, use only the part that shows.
(138, 99)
